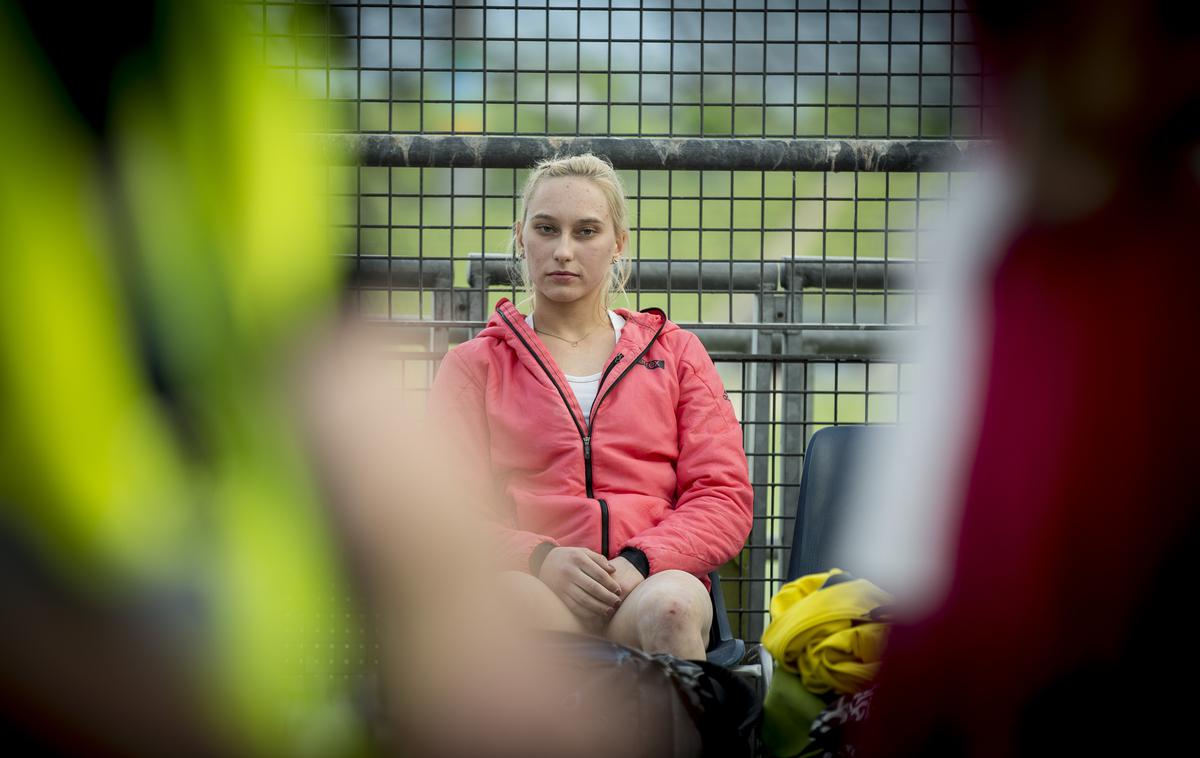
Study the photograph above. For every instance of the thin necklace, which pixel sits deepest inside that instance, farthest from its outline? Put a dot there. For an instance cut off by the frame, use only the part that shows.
(572, 343)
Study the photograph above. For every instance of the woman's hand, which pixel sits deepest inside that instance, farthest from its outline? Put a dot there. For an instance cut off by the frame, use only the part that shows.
(626, 575)
(583, 580)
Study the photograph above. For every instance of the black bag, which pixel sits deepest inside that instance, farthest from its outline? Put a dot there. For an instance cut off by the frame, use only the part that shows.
(656, 705)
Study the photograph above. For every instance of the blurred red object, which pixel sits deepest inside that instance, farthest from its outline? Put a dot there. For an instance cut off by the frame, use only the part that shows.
(1074, 560)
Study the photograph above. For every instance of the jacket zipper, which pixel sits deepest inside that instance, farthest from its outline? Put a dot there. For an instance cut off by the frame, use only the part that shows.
(596, 405)
(587, 464)
(603, 528)
(586, 437)
(587, 447)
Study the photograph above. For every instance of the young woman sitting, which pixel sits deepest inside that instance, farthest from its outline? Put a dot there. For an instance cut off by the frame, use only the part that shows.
(615, 450)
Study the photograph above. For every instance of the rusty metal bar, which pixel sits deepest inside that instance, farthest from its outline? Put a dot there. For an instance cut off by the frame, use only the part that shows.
(807, 344)
(691, 326)
(380, 271)
(717, 154)
(656, 275)
(824, 273)
(792, 274)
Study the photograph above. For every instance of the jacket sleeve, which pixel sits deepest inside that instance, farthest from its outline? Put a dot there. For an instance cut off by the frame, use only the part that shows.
(457, 406)
(714, 501)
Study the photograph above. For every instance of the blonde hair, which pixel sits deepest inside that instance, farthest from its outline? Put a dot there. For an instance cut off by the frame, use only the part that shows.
(600, 172)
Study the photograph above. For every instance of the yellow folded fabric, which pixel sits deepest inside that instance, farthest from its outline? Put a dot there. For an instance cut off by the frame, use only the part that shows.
(826, 634)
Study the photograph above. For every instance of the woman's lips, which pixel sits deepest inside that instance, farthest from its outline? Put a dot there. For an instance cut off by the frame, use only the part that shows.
(563, 275)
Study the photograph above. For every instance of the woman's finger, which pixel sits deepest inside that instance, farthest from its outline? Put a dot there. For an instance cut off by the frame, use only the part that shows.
(596, 590)
(576, 602)
(594, 605)
(574, 607)
(602, 562)
(597, 572)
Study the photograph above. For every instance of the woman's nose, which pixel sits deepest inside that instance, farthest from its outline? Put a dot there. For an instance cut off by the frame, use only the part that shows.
(563, 251)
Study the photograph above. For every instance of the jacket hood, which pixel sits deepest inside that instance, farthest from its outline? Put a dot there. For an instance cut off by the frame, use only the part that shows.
(508, 325)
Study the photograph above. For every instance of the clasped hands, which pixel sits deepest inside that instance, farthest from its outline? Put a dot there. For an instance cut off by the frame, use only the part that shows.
(591, 586)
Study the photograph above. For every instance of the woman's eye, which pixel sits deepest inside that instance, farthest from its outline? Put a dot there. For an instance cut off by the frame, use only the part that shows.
(545, 228)
(587, 232)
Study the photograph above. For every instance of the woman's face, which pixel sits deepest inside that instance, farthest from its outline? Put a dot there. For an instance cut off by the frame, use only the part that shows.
(568, 239)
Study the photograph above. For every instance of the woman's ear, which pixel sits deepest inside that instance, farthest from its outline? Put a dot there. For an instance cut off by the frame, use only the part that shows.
(622, 241)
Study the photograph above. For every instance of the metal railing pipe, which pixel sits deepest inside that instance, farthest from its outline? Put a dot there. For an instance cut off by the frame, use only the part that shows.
(671, 153)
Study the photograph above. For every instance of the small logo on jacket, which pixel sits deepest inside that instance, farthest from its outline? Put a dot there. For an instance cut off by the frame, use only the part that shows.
(657, 363)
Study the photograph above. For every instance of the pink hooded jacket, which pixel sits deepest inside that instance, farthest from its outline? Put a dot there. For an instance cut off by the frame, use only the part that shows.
(659, 471)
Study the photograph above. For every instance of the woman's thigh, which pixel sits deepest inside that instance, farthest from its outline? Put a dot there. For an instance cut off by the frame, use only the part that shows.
(535, 605)
(673, 598)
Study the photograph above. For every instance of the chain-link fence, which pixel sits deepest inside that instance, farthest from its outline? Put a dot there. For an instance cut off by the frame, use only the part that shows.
(834, 135)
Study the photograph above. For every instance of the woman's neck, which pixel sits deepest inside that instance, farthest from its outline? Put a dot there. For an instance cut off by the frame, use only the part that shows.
(568, 319)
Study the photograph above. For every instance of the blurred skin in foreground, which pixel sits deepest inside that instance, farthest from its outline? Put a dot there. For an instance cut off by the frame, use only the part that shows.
(462, 673)
(178, 418)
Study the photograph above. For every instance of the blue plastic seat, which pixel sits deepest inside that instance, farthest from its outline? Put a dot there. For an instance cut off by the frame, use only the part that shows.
(831, 459)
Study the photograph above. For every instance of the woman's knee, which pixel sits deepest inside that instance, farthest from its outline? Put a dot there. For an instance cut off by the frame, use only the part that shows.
(677, 604)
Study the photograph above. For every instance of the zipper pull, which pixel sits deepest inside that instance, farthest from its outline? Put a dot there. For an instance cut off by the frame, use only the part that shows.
(587, 448)
(611, 366)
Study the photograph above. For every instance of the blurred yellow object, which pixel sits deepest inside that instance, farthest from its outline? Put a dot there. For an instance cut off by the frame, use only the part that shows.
(83, 448)
(186, 249)
(826, 634)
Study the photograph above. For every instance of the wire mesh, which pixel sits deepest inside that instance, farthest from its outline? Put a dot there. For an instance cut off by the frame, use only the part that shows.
(797, 281)
(768, 69)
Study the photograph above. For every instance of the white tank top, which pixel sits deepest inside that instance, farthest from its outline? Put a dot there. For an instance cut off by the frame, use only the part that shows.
(585, 387)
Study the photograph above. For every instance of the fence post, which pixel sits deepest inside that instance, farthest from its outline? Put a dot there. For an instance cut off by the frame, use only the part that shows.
(797, 407)
(753, 596)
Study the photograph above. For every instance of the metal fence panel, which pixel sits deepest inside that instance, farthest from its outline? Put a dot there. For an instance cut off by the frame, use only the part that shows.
(783, 162)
